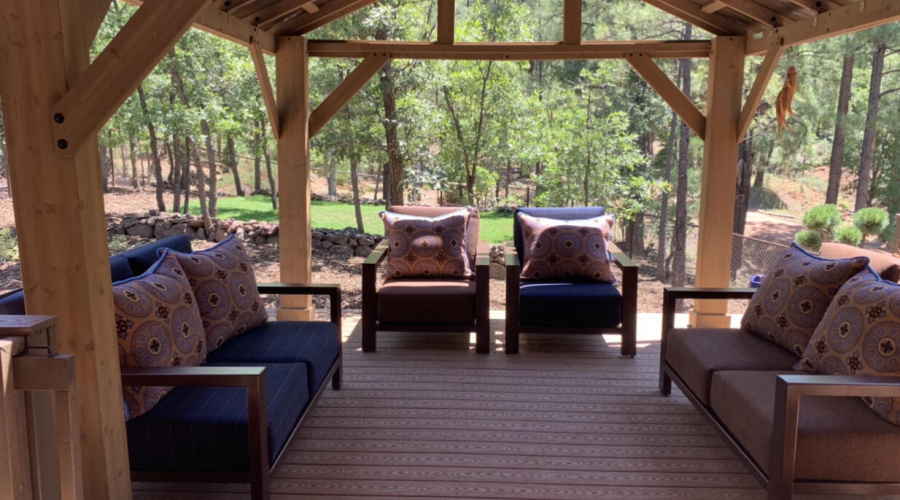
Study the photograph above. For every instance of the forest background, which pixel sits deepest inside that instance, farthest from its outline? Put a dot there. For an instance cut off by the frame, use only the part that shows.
(502, 134)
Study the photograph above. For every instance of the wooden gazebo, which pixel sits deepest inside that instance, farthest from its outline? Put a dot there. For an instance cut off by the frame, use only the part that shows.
(55, 100)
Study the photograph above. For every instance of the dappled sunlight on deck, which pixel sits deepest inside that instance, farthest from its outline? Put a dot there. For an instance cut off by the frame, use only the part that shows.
(567, 418)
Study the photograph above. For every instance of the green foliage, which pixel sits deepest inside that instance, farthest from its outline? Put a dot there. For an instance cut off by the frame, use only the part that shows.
(9, 245)
(848, 235)
(809, 239)
(822, 218)
(870, 221)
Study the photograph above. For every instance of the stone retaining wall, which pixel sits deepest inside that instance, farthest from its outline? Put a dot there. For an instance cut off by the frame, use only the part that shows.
(347, 242)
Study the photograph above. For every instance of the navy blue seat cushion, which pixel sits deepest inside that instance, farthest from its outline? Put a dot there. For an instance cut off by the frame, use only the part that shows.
(572, 305)
(205, 428)
(144, 256)
(315, 343)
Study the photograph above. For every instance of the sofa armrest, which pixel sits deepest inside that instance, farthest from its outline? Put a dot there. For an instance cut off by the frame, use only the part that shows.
(789, 389)
(332, 291)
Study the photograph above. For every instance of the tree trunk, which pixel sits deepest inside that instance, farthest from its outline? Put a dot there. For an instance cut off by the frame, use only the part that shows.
(272, 189)
(354, 182)
(175, 168)
(201, 188)
(679, 240)
(257, 156)
(186, 174)
(389, 101)
(154, 151)
(378, 176)
(331, 176)
(233, 165)
(508, 177)
(742, 200)
(213, 169)
(867, 156)
(662, 273)
(132, 156)
(105, 165)
(840, 139)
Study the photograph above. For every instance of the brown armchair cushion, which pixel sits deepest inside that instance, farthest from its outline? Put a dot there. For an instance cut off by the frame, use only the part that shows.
(794, 296)
(839, 439)
(879, 261)
(411, 301)
(860, 335)
(425, 246)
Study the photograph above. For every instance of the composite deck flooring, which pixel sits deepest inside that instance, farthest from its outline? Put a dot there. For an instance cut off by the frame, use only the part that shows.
(567, 418)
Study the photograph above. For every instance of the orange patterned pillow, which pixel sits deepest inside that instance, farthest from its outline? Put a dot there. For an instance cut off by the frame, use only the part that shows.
(427, 247)
(223, 282)
(789, 305)
(860, 335)
(566, 249)
(158, 325)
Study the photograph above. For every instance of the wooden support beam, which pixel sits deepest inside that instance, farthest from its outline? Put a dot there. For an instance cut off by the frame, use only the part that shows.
(220, 23)
(295, 245)
(265, 86)
(61, 226)
(766, 70)
(340, 96)
(529, 51)
(15, 476)
(331, 11)
(713, 7)
(816, 6)
(281, 11)
(572, 22)
(119, 69)
(694, 14)
(680, 103)
(446, 21)
(757, 12)
(855, 17)
(720, 155)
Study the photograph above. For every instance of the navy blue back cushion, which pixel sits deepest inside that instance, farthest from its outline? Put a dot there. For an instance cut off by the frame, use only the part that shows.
(13, 303)
(315, 343)
(144, 256)
(562, 213)
(205, 428)
(120, 268)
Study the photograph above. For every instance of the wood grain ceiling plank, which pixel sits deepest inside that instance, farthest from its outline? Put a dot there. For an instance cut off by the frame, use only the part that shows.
(328, 12)
(815, 6)
(713, 7)
(691, 12)
(277, 12)
(757, 12)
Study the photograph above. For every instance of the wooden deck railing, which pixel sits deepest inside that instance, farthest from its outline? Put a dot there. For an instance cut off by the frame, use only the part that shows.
(40, 455)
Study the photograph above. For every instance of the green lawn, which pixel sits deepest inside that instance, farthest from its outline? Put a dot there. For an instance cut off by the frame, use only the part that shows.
(495, 227)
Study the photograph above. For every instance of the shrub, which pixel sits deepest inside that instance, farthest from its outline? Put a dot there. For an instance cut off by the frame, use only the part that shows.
(809, 239)
(849, 235)
(9, 245)
(823, 218)
(870, 220)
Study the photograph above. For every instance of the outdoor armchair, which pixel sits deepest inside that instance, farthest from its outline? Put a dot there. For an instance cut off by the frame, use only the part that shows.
(428, 304)
(555, 306)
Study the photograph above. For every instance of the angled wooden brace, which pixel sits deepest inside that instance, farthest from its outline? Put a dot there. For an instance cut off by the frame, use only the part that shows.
(265, 85)
(670, 92)
(759, 88)
(344, 92)
(119, 69)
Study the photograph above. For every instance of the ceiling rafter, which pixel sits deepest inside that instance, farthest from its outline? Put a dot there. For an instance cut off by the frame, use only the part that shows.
(691, 12)
(759, 13)
(816, 6)
(328, 12)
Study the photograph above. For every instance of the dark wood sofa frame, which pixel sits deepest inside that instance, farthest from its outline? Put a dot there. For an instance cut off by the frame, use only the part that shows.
(781, 483)
(252, 378)
(371, 325)
(627, 328)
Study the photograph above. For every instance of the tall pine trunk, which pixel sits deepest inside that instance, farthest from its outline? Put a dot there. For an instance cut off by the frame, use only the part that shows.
(271, 180)
(679, 239)
(132, 156)
(742, 200)
(258, 132)
(186, 174)
(231, 156)
(175, 167)
(840, 139)
(867, 156)
(394, 172)
(354, 182)
(662, 271)
(154, 151)
(213, 169)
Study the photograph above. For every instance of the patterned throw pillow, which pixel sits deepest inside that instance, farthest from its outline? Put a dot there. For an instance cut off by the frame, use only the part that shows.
(860, 335)
(791, 301)
(427, 247)
(566, 249)
(223, 282)
(158, 325)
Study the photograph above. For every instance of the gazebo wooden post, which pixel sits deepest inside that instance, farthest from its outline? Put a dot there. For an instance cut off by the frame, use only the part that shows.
(60, 220)
(294, 240)
(720, 153)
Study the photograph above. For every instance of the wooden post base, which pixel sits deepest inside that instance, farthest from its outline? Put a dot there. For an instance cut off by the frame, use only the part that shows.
(297, 314)
(710, 320)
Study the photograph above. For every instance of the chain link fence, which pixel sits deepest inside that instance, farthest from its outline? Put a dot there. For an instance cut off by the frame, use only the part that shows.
(750, 256)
